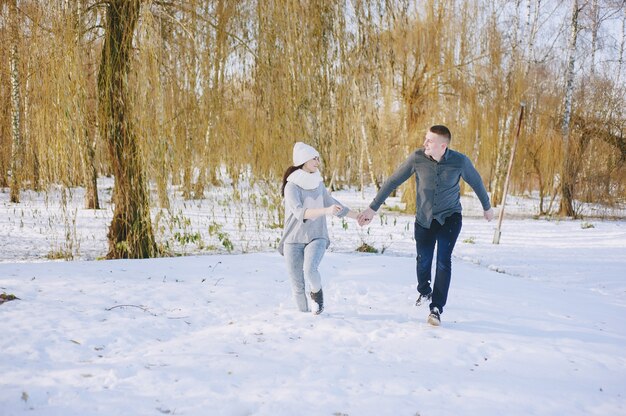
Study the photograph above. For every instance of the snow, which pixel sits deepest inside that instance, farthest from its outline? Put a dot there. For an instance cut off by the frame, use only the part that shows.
(535, 325)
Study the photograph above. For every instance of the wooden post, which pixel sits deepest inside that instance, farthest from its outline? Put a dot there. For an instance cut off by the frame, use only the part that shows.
(496, 236)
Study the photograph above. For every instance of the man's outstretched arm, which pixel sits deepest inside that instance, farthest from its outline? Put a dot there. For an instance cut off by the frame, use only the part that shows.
(400, 176)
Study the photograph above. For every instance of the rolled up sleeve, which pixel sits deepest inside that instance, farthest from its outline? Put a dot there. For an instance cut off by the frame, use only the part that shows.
(329, 200)
(400, 176)
(472, 177)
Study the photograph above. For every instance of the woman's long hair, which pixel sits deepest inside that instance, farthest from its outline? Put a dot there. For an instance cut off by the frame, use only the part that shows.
(289, 171)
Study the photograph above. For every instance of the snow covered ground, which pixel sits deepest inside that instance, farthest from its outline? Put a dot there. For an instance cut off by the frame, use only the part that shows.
(534, 326)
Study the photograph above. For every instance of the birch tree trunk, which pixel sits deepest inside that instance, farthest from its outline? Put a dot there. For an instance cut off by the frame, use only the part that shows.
(365, 150)
(622, 46)
(567, 172)
(360, 93)
(130, 233)
(595, 26)
(532, 33)
(502, 155)
(16, 128)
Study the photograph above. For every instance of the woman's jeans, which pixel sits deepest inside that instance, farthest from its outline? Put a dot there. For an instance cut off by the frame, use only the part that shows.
(302, 262)
(425, 238)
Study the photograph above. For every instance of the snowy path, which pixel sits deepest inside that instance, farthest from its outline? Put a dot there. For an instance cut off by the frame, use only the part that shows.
(219, 335)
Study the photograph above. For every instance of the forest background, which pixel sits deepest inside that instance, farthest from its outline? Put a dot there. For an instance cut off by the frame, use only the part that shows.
(198, 94)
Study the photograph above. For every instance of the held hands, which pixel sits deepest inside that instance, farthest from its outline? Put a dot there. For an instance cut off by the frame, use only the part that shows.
(488, 214)
(365, 216)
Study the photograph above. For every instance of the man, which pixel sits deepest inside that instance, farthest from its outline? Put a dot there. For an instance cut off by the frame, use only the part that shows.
(438, 219)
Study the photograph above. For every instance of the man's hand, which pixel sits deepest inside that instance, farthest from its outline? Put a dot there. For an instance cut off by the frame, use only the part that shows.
(365, 217)
(488, 214)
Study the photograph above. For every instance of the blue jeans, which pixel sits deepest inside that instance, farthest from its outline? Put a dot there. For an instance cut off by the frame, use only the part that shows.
(445, 237)
(302, 262)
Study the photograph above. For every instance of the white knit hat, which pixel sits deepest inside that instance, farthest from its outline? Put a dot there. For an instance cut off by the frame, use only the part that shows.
(302, 153)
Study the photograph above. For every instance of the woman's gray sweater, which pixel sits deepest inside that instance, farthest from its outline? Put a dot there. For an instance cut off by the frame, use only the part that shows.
(297, 200)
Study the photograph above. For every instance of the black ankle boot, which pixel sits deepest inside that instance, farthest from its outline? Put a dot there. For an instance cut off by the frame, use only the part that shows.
(319, 299)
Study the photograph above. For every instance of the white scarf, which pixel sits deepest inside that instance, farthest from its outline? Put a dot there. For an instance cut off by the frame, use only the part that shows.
(305, 180)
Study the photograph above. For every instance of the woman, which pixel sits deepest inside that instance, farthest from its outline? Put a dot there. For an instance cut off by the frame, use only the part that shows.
(305, 237)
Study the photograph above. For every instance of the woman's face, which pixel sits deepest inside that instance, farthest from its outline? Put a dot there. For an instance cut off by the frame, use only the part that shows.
(312, 165)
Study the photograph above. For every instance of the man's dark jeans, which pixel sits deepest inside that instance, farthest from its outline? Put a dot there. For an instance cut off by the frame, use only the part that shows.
(425, 238)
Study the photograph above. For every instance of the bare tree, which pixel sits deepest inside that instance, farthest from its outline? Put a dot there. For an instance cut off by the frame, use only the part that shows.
(567, 172)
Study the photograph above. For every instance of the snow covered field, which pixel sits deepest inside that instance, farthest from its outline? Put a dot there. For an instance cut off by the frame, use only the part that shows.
(534, 326)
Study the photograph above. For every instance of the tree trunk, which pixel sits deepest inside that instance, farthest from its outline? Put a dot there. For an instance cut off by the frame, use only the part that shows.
(88, 145)
(595, 26)
(130, 234)
(27, 140)
(91, 196)
(16, 128)
(365, 150)
(622, 46)
(532, 34)
(502, 155)
(568, 170)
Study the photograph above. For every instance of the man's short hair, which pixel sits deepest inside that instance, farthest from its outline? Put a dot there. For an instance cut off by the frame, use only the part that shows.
(441, 131)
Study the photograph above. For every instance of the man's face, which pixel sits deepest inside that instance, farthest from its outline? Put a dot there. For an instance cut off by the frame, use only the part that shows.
(435, 145)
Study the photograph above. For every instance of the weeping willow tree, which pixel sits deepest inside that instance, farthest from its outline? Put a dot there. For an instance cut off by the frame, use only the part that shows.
(184, 96)
(130, 233)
